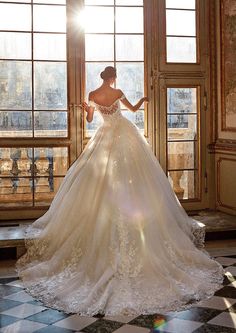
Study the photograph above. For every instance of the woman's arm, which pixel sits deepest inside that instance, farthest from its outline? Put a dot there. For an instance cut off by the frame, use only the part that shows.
(135, 107)
(89, 109)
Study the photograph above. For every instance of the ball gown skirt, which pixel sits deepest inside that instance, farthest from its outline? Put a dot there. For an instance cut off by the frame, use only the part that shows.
(115, 239)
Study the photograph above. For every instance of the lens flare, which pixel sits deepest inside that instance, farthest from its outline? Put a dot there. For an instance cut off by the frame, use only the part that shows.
(158, 323)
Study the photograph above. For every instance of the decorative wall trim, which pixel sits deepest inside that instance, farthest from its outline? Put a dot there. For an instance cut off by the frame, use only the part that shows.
(218, 198)
(223, 145)
(228, 71)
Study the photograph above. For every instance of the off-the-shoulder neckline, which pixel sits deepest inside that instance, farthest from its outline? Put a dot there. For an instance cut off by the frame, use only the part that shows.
(108, 106)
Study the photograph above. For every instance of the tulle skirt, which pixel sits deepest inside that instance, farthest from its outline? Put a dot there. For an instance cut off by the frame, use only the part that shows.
(116, 239)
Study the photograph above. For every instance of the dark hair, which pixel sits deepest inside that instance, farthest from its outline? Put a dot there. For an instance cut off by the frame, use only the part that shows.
(108, 73)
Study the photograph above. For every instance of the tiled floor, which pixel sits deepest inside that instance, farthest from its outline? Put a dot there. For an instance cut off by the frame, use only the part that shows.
(20, 313)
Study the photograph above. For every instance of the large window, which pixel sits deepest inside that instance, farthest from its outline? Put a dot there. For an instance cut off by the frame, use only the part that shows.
(48, 64)
(114, 35)
(33, 101)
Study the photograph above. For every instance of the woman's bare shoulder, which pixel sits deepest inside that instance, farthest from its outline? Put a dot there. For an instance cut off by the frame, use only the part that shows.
(91, 95)
(119, 92)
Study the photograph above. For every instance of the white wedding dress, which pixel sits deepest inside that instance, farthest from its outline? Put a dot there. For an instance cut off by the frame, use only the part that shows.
(116, 239)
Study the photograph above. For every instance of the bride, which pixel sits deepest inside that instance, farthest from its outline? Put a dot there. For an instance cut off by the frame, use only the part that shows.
(116, 240)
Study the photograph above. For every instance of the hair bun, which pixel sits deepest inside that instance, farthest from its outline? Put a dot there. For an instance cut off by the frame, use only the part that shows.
(108, 73)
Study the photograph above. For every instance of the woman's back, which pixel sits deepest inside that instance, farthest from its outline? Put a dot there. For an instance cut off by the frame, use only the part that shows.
(105, 96)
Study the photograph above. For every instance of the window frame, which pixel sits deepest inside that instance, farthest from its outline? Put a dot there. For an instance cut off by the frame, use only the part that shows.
(69, 142)
(115, 61)
(185, 82)
(200, 42)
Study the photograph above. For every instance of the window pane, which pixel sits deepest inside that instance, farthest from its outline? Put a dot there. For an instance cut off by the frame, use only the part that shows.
(45, 189)
(15, 17)
(16, 1)
(129, 2)
(15, 45)
(92, 127)
(129, 47)
(180, 49)
(129, 20)
(99, 2)
(130, 79)
(15, 85)
(51, 161)
(50, 86)
(56, 2)
(180, 22)
(50, 18)
(136, 118)
(182, 100)
(16, 192)
(49, 46)
(94, 51)
(15, 181)
(185, 4)
(185, 183)
(182, 155)
(15, 124)
(50, 124)
(99, 19)
(93, 71)
(16, 161)
(182, 127)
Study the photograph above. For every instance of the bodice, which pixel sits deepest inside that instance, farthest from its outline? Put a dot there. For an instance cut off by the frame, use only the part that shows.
(109, 112)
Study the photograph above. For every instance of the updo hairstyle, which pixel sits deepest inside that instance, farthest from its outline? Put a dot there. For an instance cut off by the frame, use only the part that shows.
(108, 73)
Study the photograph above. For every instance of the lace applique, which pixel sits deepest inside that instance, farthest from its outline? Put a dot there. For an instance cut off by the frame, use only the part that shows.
(109, 109)
(199, 232)
(69, 266)
(36, 249)
(128, 263)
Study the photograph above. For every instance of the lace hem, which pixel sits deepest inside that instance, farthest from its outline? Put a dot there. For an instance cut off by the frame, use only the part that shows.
(134, 299)
(130, 295)
(199, 232)
(128, 307)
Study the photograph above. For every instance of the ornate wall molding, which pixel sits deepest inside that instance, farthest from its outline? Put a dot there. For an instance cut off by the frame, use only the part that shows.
(223, 146)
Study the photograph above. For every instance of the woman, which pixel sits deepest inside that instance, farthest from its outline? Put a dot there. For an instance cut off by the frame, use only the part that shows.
(116, 239)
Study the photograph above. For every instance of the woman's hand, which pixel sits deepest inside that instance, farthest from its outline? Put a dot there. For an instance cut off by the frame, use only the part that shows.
(85, 106)
(145, 99)
(89, 110)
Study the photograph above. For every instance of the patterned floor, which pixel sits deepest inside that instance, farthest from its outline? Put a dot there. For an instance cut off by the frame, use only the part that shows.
(20, 313)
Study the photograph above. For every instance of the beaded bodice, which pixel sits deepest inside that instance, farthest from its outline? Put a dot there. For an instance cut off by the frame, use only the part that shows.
(112, 110)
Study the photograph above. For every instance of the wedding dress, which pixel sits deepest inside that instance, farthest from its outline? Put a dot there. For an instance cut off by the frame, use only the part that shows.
(115, 239)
